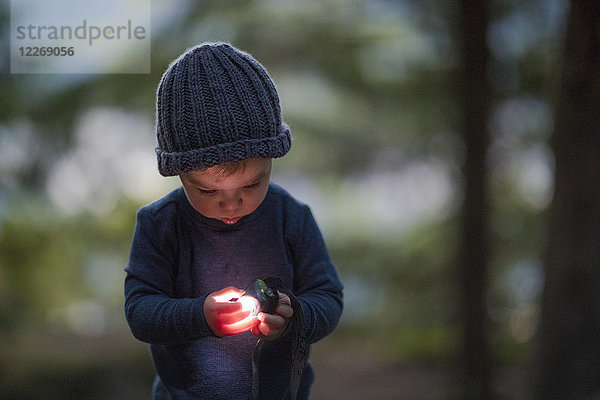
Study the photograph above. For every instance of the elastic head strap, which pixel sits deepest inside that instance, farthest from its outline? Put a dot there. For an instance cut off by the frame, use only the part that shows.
(299, 346)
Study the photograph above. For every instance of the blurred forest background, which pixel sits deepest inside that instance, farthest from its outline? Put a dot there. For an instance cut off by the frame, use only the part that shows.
(423, 142)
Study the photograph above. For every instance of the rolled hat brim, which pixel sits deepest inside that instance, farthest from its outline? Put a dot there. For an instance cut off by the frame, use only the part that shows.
(175, 163)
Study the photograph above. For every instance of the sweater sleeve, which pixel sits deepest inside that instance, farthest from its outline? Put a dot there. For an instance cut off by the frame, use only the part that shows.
(153, 313)
(316, 282)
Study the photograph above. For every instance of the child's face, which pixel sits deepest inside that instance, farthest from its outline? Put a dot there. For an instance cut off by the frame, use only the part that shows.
(228, 198)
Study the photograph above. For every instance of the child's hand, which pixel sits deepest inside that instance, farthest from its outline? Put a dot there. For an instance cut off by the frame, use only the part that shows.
(271, 326)
(226, 318)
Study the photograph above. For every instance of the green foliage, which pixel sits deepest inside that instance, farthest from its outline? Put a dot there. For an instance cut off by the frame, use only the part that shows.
(45, 258)
(424, 342)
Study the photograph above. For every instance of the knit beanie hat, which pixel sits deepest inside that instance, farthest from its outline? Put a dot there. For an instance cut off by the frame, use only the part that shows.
(216, 104)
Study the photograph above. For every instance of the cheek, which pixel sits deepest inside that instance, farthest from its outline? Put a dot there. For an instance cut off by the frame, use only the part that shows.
(202, 204)
(255, 199)
(251, 202)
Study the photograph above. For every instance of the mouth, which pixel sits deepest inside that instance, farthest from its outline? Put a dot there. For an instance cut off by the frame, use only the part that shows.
(230, 221)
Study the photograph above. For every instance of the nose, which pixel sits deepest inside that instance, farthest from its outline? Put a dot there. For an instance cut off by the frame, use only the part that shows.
(230, 201)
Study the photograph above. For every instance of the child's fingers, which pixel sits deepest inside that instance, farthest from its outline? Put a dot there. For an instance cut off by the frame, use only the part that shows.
(226, 294)
(229, 290)
(274, 321)
(264, 331)
(284, 310)
(227, 308)
(271, 326)
(284, 307)
(270, 331)
(256, 331)
(232, 318)
(240, 326)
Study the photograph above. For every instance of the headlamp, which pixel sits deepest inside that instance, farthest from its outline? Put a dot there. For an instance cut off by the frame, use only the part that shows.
(258, 297)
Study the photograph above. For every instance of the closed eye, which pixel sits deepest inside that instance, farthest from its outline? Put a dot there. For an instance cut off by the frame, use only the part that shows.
(253, 185)
(206, 192)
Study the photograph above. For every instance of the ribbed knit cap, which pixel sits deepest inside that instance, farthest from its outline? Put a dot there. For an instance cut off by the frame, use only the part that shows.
(216, 104)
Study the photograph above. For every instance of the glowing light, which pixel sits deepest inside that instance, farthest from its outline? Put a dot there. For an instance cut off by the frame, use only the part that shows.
(248, 313)
(249, 304)
(226, 296)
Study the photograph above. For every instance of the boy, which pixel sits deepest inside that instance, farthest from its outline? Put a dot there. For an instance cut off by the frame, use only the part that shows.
(218, 127)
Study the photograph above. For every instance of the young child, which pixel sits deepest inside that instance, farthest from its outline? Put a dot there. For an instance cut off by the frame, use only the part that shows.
(218, 126)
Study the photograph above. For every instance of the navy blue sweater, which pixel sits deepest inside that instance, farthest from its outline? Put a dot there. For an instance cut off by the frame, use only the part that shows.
(178, 257)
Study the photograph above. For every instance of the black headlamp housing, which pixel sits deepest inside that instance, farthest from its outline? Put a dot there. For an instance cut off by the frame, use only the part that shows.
(267, 298)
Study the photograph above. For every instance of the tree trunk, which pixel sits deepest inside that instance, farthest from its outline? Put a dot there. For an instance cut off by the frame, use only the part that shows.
(475, 249)
(568, 352)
